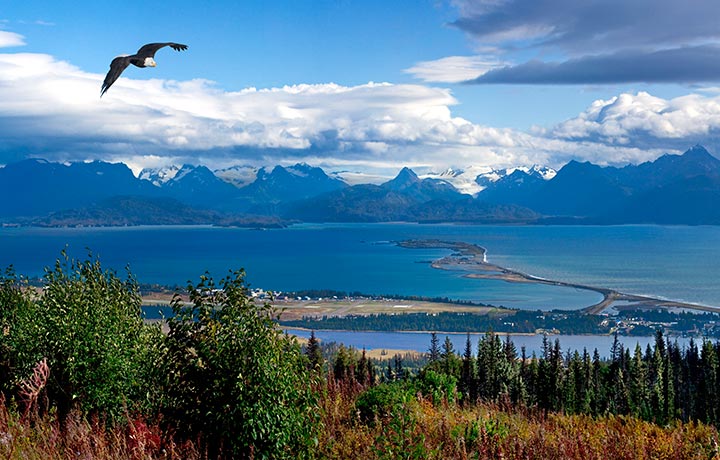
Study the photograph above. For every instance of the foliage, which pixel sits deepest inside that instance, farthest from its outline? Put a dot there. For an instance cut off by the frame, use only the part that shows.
(83, 376)
(14, 299)
(383, 400)
(437, 386)
(421, 429)
(86, 323)
(500, 320)
(314, 353)
(233, 377)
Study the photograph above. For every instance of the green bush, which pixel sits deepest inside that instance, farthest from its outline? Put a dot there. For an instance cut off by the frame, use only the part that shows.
(233, 378)
(14, 299)
(382, 400)
(437, 385)
(86, 322)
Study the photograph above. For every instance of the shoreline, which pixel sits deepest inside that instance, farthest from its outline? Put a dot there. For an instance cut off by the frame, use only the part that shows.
(473, 259)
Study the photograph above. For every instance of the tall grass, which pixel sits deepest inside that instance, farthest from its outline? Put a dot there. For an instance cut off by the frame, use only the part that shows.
(415, 429)
(419, 429)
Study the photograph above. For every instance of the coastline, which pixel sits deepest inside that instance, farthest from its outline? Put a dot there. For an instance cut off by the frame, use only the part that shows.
(472, 258)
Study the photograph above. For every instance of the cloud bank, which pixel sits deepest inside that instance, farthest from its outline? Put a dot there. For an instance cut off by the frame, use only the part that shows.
(683, 65)
(52, 109)
(592, 41)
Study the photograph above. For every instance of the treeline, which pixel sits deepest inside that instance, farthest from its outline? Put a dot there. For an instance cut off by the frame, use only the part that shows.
(659, 384)
(677, 321)
(515, 321)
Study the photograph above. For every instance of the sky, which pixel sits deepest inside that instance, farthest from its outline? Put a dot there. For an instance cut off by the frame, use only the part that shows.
(361, 86)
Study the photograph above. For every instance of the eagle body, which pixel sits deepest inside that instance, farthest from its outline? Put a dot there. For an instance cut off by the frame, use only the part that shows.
(145, 57)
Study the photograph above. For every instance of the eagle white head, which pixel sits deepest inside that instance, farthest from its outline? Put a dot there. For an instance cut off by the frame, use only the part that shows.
(150, 62)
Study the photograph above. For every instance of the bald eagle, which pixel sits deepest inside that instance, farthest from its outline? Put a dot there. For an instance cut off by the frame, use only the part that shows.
(143, 58)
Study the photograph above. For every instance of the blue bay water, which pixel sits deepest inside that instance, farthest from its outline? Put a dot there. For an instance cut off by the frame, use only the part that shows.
(680, 263)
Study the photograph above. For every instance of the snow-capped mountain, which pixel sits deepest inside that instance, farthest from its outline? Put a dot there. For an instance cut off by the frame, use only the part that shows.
(239, 175)
(464, 180)
(159, 176)
(474, 179)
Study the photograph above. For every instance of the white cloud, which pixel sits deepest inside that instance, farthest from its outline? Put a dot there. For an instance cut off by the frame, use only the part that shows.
(453, 69)
(8, 39)
(642, 119)
(52, 109)
(55, 107)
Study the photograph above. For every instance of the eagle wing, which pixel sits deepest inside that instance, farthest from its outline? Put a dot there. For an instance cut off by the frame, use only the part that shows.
(117, 66)
(149, 50)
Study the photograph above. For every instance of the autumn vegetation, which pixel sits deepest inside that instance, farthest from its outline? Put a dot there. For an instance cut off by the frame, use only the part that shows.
(83, 376)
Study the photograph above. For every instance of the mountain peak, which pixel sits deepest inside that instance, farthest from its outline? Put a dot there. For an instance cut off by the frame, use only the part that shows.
(159, 176)
(405, 178)
(698, 152)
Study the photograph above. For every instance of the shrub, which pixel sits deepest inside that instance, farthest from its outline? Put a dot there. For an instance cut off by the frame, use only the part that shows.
(86, 322)
(234, 378)
(382, 400)
(438, 386)
(14, 298)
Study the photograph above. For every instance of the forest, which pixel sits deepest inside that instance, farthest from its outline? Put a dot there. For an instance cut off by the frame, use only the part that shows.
(634, 322)
(82, 375)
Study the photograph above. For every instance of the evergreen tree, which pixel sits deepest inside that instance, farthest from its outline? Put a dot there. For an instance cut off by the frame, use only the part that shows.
(639, 392)
(572, 389)
(587, 391)
(691, 374)
(657, 380)
(450, 363)
(597, 384)
(708, 384)
(490, 373)
(618, 392)
(434, 351)
(365, 374)
(467, 385)
(313, 352)
(389, 373)
(344, 364)
(400, 373)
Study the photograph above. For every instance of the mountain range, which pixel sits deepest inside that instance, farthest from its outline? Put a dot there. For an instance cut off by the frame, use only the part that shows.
(673, 189)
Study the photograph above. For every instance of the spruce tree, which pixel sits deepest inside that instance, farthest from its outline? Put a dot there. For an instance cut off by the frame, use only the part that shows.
(313, 352)
(467, 376)
(434, 352)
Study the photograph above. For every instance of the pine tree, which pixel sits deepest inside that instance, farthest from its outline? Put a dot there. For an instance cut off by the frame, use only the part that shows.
(708, 384)
(467, 377)
(365, 374)
(691, 374)
(400, 373)
(598, 384)
(450, 363)
(313, 352)
(434, 351)
(639, 393)
(657, 379)
(572, 389)
(345, 364)
(587, 392)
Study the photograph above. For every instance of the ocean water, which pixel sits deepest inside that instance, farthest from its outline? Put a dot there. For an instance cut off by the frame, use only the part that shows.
(680, 263)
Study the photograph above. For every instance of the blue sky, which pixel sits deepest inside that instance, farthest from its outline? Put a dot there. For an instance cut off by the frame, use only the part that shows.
(364, 86)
